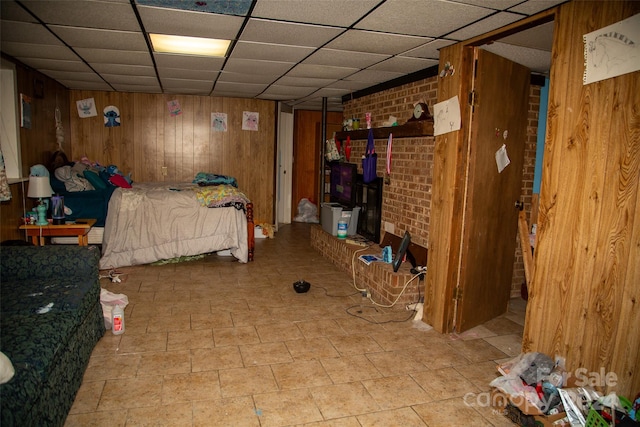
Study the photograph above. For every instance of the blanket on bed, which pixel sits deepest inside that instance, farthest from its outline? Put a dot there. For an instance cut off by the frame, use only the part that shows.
(156, 221)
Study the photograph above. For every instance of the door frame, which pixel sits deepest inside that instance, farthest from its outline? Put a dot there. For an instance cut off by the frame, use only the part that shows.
(284, 159)
(450, 162)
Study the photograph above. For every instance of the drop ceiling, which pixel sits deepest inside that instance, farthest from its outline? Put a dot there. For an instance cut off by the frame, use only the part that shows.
(294, 51)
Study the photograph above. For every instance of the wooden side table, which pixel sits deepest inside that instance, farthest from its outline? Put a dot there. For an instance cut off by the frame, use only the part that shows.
(80, 228)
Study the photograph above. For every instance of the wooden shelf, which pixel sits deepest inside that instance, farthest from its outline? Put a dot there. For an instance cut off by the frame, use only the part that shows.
(407, 130)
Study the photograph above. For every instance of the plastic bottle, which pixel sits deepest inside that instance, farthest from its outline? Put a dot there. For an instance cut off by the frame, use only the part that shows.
(117, 320)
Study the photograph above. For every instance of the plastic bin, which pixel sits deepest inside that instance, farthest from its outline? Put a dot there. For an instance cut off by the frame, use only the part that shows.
(331, 213)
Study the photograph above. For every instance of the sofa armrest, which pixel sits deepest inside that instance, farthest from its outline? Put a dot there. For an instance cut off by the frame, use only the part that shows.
(35, 262)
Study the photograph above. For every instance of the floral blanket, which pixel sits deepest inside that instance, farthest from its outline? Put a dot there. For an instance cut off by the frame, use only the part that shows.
(221, 196)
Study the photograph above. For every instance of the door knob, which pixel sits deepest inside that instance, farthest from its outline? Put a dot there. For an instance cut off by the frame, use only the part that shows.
(519, 205)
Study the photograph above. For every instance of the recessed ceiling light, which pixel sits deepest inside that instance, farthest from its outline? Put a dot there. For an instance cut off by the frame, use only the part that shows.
(189, 45)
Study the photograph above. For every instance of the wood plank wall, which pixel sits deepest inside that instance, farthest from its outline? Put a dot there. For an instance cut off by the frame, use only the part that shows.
(149, 138)
(584, 300)
(35, 143)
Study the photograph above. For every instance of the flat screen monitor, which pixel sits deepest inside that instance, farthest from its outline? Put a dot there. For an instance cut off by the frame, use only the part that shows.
(342, 189)
(403, 251)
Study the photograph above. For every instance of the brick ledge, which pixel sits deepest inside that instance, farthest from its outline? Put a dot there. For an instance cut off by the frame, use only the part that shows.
(378, 277)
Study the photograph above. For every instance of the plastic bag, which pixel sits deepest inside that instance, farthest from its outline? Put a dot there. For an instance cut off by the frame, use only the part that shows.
(332, 153)
(307, 212)
(108, 300)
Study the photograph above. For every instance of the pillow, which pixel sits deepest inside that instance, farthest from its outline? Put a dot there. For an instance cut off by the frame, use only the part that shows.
(119, 181)
(6, 369)
(94, 179)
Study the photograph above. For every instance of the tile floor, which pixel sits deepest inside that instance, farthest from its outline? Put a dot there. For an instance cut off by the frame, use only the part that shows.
(217, 343)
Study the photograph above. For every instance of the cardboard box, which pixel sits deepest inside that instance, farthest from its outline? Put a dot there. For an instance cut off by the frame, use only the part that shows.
(523, 413)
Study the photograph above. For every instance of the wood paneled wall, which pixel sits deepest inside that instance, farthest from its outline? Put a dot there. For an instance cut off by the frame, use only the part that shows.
(149, 138)
(584, 299)
(35, 143)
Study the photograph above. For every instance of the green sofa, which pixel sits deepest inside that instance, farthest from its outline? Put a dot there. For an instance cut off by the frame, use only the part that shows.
(50, 321)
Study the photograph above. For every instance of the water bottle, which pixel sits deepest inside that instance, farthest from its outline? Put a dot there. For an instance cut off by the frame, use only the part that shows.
(117, 320)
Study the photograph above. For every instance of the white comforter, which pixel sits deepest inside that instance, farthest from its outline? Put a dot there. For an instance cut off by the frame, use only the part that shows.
(153, 221)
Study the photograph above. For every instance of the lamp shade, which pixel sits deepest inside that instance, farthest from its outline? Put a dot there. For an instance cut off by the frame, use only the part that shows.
(39, 187)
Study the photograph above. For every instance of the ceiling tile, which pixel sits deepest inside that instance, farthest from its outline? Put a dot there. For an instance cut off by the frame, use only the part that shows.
(374, 76)
(25, 32)
(56, 65)
(373, 42)
(399, 64)
(429, 50)
(11, 11)
(123, 87)
(289, 92)
(188, 62)
(123, 69)
(321, 71)
(345, 58)
(38, 51)
(540, 37)
(271, 52)
(531, 7)
(538, 61)
(263, 79)
(326, 12)
(304, 81)
(126, 79)
(187, 23)
(74, 75)
(93, 14)
(202, 85)
(249, 66)
(259, 30)
(82, 85)
(485, 25)
(115, 56)
(434, 18)
(100, 39)
(492, 4)
(182, 73)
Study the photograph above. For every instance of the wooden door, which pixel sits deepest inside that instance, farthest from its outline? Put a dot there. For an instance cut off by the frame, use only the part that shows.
(498, 116)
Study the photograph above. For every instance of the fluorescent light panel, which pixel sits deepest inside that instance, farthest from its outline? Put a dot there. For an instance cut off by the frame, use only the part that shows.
(189, 45)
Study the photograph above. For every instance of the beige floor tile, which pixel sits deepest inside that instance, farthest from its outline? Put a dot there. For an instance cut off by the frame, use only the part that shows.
(480, 374)
(209, 359)
(316, 348)
(235, 336)
(350, 368)
(300, 374)
(404, 417)
(354, 344)
(247, 381)
(392, 363)
(503, 326)
(112, 367)
(451, 412)
(235, 411)
(337, 422)
(479, 331)
(199, 338)
(176, 415)
(216, 319)
(444, 383)
(265, 354)
(87, 397)
(342, 400)
(131, 393)
(288, 407)
(168, 323)
(396, 392)
(320, 328)
(115, 418)
(278, 332)
(143, 343)
(438, 356)
(190, 387)
(477, 350)
(164, 363)
(402, 338)
(171, 296)
(511, 345)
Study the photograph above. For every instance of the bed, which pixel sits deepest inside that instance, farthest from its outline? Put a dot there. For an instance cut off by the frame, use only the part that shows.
(158, 221)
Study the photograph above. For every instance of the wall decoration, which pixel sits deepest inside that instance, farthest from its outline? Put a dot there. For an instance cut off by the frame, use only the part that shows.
(250, 120)
(612, 51)
(86, 108)
(25, 111)
(446, 116)
(219, 122)
(111, 116)
(174, 108)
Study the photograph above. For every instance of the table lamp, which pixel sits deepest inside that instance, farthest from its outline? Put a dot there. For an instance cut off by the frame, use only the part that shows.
(39, 188)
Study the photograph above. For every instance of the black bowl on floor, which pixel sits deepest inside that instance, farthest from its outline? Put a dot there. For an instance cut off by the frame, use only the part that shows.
(301, 286)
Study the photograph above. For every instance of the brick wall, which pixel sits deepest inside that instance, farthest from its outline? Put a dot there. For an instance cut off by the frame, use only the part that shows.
(407, 195)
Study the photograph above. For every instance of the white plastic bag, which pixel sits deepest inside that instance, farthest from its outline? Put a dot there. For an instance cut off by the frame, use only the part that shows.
(108, 301)
(307, 212)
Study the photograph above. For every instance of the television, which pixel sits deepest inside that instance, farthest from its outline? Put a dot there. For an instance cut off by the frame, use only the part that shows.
(403, 250)
(342, 187)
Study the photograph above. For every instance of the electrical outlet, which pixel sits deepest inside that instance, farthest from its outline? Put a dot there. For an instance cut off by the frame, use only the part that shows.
(366, 294)
(164, 171)
(389, 227)
(560, 361)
